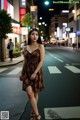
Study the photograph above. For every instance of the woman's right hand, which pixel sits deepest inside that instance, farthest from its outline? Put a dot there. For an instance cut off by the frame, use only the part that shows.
(33, 76)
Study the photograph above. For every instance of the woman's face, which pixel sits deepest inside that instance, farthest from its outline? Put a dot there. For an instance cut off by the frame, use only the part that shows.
(34, 36)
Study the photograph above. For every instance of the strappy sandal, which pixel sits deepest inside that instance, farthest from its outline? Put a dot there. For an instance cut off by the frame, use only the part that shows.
(38, 117)
(32, 115)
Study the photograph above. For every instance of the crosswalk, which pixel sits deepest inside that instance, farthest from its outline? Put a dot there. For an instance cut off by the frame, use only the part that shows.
(15, 71)
(51, 70)
(62, 113)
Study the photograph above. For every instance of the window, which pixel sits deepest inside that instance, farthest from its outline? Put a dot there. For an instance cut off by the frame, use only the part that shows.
(71, 19)
(56, 25)
(78, 22)
(72, 8)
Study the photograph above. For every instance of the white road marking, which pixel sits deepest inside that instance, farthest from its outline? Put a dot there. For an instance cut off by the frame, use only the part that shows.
(3, 69)
(58, 59)
(67, 64)
(15, 71)
(73, 69)
(50, 54)
(54, 57)
(53, 69)
(62, 113)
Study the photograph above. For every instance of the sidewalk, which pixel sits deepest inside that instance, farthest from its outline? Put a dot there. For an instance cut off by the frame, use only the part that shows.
(15, 61)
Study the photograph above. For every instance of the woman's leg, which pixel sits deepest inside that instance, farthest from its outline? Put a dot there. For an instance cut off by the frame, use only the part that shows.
(32, 99)
(36, 97)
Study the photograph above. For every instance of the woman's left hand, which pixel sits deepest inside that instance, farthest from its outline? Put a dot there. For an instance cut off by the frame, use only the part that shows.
(33, 76)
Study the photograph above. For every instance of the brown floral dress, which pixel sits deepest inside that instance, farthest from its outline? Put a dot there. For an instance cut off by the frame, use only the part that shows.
(31, 61)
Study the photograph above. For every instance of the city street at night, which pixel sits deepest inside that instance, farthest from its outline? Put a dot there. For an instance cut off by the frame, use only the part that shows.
(39, 54)
(60, 97)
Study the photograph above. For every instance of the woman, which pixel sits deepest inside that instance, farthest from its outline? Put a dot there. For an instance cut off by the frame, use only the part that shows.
(32, 70)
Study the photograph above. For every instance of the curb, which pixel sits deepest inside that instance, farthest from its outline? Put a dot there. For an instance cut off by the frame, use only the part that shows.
(10, 64)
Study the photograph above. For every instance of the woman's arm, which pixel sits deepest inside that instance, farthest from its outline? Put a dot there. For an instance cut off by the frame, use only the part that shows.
(42, 54)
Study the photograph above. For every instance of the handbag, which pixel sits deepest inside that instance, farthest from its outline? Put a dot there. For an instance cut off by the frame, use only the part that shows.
(8, 46)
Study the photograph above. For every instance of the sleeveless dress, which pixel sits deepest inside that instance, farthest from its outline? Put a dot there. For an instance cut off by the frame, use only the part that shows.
(31, 61)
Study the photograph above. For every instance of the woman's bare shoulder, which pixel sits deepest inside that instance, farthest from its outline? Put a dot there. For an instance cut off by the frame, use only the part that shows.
(26, 47)
(41, 46)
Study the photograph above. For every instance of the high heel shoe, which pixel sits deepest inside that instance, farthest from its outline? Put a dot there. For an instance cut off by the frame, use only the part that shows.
(38, 117)
(32, 115)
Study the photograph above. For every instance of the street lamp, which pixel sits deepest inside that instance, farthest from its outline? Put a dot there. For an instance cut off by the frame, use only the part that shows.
(40, 18)
(46, 2)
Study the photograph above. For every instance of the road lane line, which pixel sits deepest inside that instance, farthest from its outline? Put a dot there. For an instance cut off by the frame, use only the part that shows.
(3, 69)
(67, 64)
(54, 57)
(58, 59)
(53, 70)
(15, 71)
(73, 69)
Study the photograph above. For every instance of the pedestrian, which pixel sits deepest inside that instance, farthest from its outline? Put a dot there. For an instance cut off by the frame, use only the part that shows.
(23, 44)
(31, 74)
(10, 46)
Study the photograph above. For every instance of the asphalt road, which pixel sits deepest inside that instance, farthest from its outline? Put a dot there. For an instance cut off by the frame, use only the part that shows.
(60, 97)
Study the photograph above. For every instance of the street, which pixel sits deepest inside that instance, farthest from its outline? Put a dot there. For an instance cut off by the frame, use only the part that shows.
(60, 97)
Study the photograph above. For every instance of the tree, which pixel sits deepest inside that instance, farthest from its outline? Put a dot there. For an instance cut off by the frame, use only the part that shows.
(5, 28)
(27, 20)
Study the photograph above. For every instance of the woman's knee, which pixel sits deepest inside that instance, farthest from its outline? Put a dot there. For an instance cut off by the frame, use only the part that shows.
(30, 93)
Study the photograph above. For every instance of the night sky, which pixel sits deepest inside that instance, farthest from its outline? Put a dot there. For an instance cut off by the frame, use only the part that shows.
(45, 13)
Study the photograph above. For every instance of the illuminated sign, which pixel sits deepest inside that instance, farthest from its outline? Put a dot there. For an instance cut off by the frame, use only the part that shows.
(24, 30)
(33, 8)
(78, 32)
(16, 29)
(22, 11)
(67, 29)
(23, 3)
(10, 10)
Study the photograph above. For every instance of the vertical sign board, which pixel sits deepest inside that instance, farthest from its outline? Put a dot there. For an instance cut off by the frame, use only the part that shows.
(22, 8)
(5, 4)
(34, 10)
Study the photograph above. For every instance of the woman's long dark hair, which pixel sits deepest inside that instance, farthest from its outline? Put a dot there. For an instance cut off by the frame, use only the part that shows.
(29, 39)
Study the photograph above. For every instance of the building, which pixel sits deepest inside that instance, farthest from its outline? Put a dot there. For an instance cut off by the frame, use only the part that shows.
(58, 25)
(74, 23)
(16, 9)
